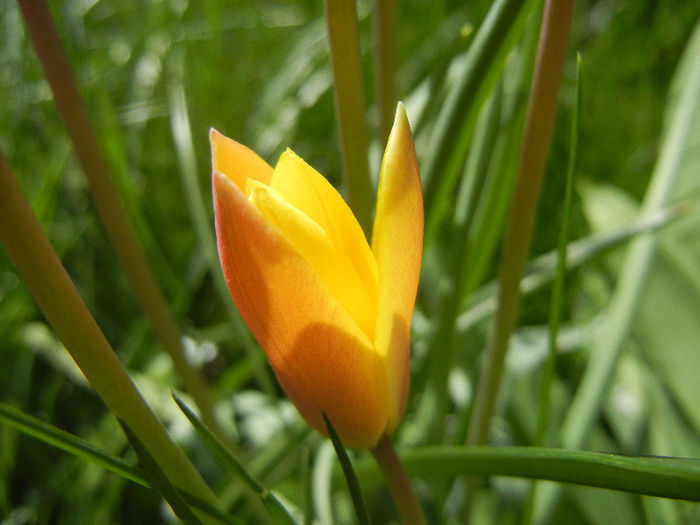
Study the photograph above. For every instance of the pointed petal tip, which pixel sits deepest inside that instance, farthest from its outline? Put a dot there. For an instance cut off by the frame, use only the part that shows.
(400, 136)
(214, 136)
(401, 118)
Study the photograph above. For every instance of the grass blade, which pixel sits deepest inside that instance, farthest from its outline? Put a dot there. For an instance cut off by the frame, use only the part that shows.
(67, 442)
(160, 481)
(78, 447)
(664, 477)
(557, 288)
(486, 57)
(353, 485)
(227, 460)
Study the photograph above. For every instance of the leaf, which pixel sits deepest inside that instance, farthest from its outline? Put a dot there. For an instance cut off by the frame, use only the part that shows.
(666, 477)
(228, 461)
(160, 480)
(350, 477)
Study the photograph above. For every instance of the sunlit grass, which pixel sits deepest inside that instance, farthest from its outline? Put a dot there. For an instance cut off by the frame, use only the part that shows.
(155, 77)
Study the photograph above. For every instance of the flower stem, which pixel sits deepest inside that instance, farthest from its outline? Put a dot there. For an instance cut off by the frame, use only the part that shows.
(110, 208)
(400, 486)
(343, 37)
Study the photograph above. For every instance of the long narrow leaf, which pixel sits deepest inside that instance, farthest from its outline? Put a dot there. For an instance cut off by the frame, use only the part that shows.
(160, 480)
(67, 442)
(486, 57)
(353, 485)
(542, 270)
(276, 510)
(664, 477)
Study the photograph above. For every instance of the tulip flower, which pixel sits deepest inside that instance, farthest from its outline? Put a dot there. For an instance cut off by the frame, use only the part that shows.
(332, 313)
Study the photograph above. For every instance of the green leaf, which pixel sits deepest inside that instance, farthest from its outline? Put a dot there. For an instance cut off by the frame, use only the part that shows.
(160, 481)
(485, 60)
(665, 477)
(274, 507)
(353, 485)
(61, 439)
(78, 447)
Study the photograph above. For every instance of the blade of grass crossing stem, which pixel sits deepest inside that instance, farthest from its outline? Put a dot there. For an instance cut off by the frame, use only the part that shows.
(182, 138)
(160, 481)
(635, 267)
(343, 37)
(229, 462)
(350, 477)
(557, 289)
(664, 477)
(486, 58)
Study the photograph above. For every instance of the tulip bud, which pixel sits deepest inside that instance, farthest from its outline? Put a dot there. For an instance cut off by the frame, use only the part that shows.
(332, 314)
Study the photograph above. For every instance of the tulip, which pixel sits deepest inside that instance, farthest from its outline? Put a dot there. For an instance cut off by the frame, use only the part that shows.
(332, 314)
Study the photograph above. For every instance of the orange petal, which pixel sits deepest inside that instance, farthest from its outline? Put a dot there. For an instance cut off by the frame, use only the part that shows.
(322, 359)
(397, 244)
(307, 190)
(236, 161)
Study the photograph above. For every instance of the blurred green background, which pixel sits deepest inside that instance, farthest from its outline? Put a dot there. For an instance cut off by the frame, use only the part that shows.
(259, 72)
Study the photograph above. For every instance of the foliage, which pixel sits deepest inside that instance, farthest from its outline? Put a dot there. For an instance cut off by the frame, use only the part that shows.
(260, 72)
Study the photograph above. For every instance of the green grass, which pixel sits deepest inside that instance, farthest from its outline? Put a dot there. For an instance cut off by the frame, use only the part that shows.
(260, 73)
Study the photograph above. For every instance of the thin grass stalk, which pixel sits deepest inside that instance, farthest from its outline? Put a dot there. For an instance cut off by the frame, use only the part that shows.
(354, 489)
(109, 206)
(555, 307)
(53, 290)
(542, 105)
(343, 38)
(558, 284)
(385, 64)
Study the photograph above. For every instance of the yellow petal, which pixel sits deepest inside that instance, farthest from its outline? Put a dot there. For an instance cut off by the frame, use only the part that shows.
(236, 161)
(313, 243)
(322, 359)
(397, 244)
(307, 190)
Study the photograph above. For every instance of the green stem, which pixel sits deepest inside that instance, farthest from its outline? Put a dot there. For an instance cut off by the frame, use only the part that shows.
(399, 484)
(341, 18)
(538, 128)
(385, 65)
(555, 305)
(49, 283)
(75, 117)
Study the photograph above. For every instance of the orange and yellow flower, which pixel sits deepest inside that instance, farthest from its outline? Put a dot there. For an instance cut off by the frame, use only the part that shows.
(332, 314)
